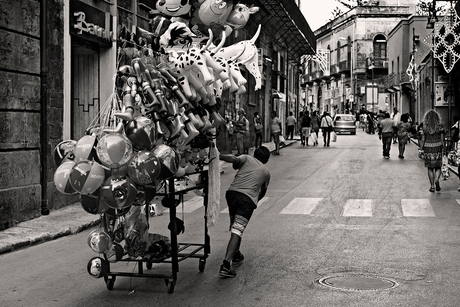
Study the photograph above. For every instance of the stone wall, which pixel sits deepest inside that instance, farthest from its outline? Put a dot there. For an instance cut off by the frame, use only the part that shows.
(21, 103)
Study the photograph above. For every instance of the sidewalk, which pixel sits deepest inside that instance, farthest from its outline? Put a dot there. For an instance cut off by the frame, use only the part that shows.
(66, 221)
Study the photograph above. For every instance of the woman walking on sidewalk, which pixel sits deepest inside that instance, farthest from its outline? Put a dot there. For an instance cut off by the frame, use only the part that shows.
(432, 145)
(403, 134)
(275, 127)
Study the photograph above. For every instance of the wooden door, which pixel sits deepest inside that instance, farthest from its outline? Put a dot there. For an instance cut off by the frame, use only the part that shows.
(85, 89)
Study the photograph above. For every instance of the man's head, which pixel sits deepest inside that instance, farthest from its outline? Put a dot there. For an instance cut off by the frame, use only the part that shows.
(262, 154)
(387, 115)
(241, 112)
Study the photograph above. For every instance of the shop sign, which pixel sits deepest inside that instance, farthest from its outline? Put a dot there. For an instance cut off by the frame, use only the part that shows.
(91, 23)
(83, 26)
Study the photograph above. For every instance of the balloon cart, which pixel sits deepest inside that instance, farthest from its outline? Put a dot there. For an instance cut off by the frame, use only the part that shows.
(158, 127)
(178, 251)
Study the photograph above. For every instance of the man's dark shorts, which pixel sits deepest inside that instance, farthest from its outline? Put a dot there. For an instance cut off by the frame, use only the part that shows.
(240, 208)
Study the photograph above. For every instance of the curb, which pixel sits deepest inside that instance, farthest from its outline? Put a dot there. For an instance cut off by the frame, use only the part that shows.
(61, 222)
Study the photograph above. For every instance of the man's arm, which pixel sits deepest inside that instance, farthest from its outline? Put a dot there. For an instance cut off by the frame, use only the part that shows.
(229, 158)
(263, 190)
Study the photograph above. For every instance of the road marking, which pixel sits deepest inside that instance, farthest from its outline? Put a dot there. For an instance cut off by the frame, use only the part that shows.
(301, 206)
(258, 205)
(440, 228)
(416, 207)
(190, 205)
(358, 207)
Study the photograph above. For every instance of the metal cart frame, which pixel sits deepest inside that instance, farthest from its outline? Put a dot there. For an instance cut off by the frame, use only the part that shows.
(179, 251)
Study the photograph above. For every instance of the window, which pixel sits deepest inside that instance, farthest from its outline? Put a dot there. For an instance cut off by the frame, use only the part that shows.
(380, 47)
(338, 53)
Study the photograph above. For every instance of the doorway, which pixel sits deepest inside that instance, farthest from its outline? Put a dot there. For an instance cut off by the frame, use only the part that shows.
(84, 88)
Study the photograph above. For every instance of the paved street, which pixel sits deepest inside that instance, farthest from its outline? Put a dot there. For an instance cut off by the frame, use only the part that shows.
(329, 211)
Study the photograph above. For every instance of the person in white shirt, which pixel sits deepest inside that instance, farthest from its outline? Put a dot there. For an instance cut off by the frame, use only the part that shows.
(326, 126)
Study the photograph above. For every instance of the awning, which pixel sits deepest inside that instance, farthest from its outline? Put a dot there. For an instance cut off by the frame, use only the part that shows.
(284, 21)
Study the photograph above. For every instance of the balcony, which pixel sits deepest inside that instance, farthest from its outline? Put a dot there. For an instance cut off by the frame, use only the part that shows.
(344, 66)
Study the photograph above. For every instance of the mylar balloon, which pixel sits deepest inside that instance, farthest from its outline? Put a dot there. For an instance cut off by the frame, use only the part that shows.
(114, 150)
(97, 267)
(169, 160)
(118, 192)
(115, 253)
(64, 152)
(92, 203)
(85, 149)
(99, 241)
(141, 132)
(87, 176)
(144, 167)
(62, 178)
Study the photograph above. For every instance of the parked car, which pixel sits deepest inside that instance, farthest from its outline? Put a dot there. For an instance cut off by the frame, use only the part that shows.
(344, 123)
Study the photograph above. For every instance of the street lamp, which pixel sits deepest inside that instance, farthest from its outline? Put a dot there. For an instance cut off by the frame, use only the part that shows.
(432, 19)
(372, 68)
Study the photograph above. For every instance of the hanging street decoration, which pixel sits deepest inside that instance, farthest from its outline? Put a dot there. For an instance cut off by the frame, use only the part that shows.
(322, 58)
(445, 40)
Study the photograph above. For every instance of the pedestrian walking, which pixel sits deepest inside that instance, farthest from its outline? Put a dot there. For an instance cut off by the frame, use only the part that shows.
(259, 128)
(396, 117)
(386, 132)
(403, 129)
(315, 124)
(241, 127)
(306, 121)
(247, 189)
(290, 123)
(326, 127)
(275, 128)
(455, 132)
(370, 123)
(432, 145)
(300, 126)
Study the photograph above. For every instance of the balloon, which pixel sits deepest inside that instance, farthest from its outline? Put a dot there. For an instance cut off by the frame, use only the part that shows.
(144, 167)
(85, 149)
(87, 176)
(114, 150)
(239, 15)
(64, 152)
(115, 253)
(169, 160)
(97, 267)
(92, 203)
(62, 178)
(99, 241)
(211, 15)
(118, 192)
(141, 132)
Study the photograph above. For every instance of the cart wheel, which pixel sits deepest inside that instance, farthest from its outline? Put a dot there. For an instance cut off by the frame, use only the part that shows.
(148, 265)
(202, 264)
(109, 282)
(170, 284)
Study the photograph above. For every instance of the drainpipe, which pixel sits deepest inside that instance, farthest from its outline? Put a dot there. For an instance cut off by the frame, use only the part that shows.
(44, 108)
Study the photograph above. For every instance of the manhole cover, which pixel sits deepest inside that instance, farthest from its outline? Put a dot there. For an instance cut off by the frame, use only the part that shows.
(358, 282)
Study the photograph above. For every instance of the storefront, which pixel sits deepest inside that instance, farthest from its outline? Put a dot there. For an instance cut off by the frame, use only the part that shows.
(89, 62)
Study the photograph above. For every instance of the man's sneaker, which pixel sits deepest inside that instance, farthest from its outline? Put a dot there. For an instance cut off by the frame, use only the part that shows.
(224, 272)
(237, 259)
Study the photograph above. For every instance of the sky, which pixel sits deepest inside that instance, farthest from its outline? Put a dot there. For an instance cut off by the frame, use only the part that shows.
(318, 12)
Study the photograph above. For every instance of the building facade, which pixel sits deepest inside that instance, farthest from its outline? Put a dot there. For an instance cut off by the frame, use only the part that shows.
(347, 73)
